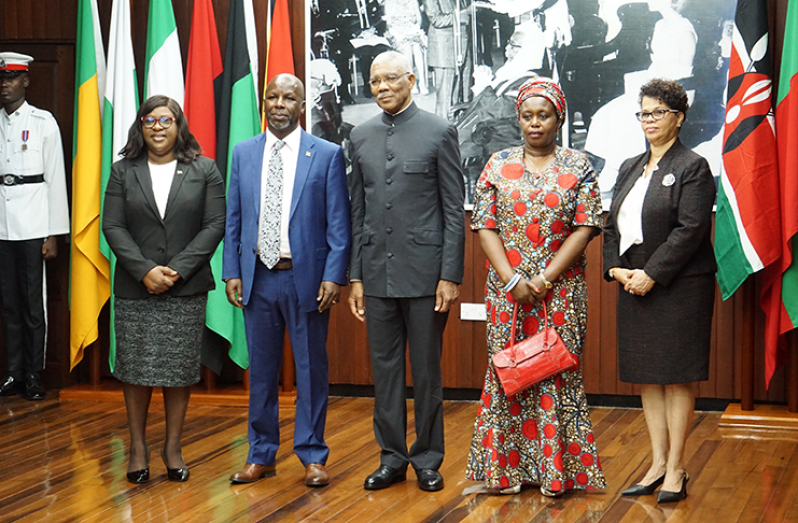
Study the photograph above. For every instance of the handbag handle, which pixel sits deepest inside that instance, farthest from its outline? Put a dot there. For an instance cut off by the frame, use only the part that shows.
(545, 328)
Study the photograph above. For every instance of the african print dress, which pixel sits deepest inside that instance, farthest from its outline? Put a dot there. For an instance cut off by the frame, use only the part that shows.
(544, 434)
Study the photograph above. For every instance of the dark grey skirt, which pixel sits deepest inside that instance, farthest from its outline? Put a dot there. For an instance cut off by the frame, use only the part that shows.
(158, 340)
(664, 336)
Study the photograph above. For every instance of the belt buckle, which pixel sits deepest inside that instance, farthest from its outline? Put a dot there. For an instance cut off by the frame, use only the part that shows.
(9, 179)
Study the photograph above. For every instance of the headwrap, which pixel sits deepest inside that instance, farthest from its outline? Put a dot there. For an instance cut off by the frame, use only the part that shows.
(546, 88)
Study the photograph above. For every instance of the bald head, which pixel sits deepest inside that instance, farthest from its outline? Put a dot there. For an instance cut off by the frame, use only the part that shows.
(288, 79)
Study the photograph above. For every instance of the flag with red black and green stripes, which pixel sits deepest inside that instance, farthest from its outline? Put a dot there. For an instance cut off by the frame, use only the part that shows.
(780, 281)
(238, 118)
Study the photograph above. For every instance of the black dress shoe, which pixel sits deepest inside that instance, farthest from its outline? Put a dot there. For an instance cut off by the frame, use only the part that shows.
(429, 480)
(174, 474)
(34, 389)
(11, 386)
(384, 477)
(644, 490)
(666, 496)
(139, 476)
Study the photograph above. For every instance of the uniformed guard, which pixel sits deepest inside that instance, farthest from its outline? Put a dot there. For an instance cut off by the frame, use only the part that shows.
(33, 210)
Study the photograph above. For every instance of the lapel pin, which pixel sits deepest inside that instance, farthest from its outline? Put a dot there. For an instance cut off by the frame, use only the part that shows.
(307, 153)
(668, 180)
(179, 171)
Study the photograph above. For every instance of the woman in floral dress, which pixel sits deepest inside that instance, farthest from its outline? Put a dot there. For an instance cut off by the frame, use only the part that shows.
(537, 207)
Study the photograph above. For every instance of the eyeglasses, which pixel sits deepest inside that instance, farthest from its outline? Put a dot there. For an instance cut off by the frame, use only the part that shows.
(164, 121)
(657, 115)
(391, 79)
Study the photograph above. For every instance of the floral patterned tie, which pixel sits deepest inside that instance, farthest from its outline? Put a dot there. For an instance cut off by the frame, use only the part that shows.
(272, 209)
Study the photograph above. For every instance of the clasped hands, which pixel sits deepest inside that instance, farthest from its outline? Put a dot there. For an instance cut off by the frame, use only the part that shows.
(160, 279)
(529, 291)
(634, 281)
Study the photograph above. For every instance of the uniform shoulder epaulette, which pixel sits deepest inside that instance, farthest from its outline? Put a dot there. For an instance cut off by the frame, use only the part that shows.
(41, 113)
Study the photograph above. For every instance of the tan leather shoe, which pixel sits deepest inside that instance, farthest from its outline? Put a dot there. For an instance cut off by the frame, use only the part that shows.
(316, 475)
(253, 472)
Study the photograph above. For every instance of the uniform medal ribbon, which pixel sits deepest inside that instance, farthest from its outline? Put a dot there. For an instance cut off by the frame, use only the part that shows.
(25, 136)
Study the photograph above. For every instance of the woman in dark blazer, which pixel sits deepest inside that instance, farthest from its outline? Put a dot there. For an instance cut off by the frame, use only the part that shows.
(163, 217)
(657, 246)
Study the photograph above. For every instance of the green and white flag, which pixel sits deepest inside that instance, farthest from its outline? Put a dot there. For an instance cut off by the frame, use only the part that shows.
(119, 113)
(163, 71)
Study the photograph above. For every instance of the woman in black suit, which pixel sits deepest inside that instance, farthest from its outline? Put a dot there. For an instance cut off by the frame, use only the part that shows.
(163, 217)
(657, 246)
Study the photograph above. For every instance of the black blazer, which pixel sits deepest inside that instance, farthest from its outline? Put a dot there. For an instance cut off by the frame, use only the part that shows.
(184, 240)
(677, 217)
(407, 191)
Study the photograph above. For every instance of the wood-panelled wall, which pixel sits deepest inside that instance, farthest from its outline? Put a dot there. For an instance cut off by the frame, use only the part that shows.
(465, 353)
(46, 30)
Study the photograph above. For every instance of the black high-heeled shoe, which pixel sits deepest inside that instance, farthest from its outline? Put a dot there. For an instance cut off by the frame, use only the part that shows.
(180, 475)
(140, 476)
(644, 490)
(666, 496)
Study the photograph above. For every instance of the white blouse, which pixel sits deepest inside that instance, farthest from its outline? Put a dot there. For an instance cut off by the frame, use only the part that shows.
(630, 215)
(162, 175)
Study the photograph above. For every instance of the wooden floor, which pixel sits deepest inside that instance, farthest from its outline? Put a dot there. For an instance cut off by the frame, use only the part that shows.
(65, 462)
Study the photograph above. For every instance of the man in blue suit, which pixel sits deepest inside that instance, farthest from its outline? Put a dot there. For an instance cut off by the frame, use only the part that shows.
(286, 251)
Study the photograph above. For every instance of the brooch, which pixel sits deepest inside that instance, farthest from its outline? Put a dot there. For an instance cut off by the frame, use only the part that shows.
(668, 180)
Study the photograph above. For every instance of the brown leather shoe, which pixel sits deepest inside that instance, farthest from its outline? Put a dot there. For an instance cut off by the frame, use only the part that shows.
(253, 472)
(316, 475)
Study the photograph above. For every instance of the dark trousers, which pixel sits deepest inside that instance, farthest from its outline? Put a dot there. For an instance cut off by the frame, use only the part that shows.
(274, 306)
(393, 324)
(22, 293)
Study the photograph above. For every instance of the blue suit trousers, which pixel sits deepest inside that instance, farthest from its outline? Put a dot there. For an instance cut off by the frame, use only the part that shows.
(274, 306)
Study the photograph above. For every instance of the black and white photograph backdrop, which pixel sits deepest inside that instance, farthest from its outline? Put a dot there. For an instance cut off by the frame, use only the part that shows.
(469, 58)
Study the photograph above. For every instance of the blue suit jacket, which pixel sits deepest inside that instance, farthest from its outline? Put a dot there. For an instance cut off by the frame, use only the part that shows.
(318, 231)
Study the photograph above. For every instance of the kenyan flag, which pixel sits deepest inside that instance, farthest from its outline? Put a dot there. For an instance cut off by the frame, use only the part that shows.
(747, 230)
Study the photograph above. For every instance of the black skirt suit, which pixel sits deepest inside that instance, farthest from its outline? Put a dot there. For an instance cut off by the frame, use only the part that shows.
(664, 336)
(158, 337)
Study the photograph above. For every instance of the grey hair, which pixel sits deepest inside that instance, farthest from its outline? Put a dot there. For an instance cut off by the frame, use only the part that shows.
(393, 56)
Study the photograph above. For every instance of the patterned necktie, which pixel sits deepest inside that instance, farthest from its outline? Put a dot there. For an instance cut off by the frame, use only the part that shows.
(272, 209)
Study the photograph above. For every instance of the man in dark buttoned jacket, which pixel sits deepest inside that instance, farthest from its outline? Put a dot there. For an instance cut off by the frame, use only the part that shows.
(408, 240)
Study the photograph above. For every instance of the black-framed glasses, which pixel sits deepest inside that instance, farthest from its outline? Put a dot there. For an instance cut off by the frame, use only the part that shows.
(164, 121)
(390, 79)
(657, 115)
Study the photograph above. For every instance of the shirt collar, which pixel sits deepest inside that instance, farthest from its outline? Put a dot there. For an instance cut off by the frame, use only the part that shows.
(402, 116)
(291, 141)
(22, 108)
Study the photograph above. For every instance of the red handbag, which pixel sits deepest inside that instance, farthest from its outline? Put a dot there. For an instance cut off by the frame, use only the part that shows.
(532, 360)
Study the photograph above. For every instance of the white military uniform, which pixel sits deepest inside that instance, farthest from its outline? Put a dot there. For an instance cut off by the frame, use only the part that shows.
(30, 145)
(33, 207)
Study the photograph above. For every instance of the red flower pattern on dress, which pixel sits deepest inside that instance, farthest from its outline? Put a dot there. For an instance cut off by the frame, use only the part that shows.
(543, 434)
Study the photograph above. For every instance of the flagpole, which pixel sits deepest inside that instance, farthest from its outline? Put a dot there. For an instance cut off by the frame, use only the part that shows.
(792, 373)
(95, 364)
(748, 338)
